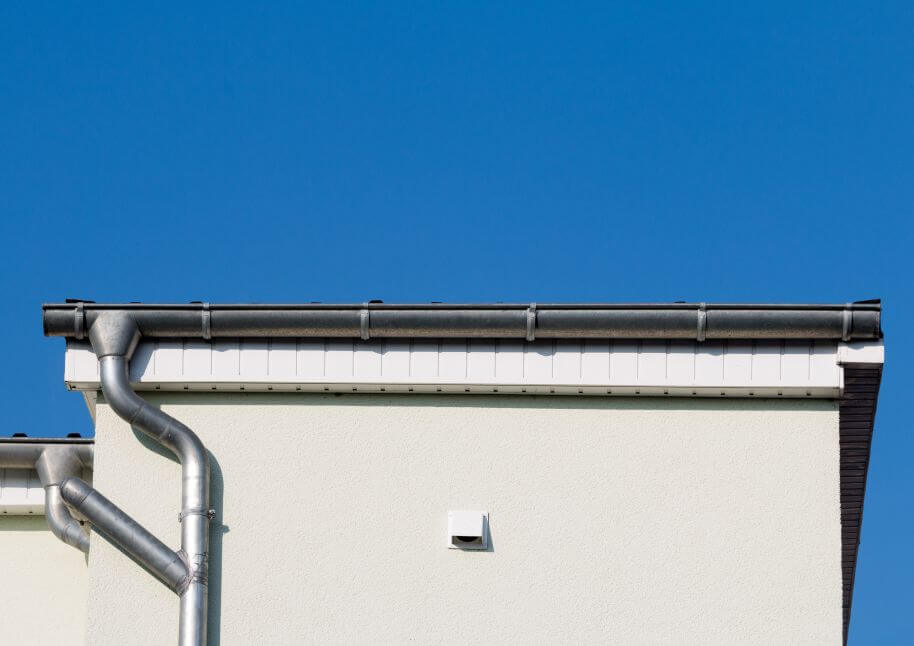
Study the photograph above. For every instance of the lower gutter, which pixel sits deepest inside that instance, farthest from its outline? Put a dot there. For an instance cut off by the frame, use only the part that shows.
(54, 460)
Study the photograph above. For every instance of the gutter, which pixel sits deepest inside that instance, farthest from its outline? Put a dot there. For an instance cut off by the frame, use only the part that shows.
(699, 321)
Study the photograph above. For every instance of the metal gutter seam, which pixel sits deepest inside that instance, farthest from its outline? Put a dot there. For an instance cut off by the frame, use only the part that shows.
(697, 321)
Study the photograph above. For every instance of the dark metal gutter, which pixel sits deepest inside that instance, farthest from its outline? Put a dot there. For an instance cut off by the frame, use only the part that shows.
(698, 321)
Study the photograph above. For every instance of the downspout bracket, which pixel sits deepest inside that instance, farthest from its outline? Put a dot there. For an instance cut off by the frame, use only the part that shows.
(209, 513)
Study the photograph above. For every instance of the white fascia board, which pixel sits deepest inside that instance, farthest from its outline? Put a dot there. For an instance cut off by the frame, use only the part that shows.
(862, 352)
(575, 367)
(21, 493)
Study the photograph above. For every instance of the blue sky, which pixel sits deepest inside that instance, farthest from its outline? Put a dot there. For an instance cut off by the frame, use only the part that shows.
(466, 152)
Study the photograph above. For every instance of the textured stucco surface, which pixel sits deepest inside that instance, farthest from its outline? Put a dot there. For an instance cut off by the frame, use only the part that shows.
(43, 585)
(635, 521)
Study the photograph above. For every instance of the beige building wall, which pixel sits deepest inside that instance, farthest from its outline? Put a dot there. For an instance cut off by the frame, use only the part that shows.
(630, 521)
(43, 585)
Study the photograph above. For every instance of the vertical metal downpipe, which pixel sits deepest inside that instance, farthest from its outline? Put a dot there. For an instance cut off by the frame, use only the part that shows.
(114, 341)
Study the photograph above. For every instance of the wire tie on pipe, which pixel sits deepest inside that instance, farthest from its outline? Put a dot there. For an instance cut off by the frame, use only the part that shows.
(846, 323)
(364, 322)
(531, 322)
(702, 321)
(207, 325)
(80, 323)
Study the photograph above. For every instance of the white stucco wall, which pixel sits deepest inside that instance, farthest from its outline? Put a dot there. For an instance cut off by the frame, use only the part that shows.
(43, 585)
(634, 521)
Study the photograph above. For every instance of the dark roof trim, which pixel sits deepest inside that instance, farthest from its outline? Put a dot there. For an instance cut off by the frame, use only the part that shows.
(698, 321)
(869, 305)
(857, 413)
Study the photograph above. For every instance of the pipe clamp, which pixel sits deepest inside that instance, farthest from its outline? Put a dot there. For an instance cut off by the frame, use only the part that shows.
(209, 513)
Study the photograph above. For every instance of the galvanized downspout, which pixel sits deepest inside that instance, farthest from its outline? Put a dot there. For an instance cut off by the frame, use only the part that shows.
(54, 466)
(114, 336)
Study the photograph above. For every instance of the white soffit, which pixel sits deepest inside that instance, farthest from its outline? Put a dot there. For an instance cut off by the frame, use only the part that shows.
(677, 368)
(21, 492)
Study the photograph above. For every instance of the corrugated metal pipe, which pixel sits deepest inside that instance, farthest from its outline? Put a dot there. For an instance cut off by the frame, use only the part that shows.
(55, 461)
(699, 321)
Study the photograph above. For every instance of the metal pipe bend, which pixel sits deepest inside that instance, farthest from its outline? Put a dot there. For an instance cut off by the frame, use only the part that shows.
(61, 523)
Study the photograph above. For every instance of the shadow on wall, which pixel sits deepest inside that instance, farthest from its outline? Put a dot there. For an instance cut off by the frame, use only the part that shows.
(25, 523)
(31, 523)
(217, 531)
(449, 400)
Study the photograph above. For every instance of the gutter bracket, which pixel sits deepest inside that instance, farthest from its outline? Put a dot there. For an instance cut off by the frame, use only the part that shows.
(79, 324)
(531, 322)
(206, 322)
(364, 322)
(847, 323)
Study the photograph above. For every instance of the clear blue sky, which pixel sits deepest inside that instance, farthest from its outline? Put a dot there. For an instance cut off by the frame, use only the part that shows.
(467, 152)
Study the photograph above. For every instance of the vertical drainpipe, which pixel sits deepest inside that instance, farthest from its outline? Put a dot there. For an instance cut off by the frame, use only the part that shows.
(114, 336)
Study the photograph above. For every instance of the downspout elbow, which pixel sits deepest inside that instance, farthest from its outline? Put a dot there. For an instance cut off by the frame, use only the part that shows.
(61, 523)
(134, 410)
(55, 465)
